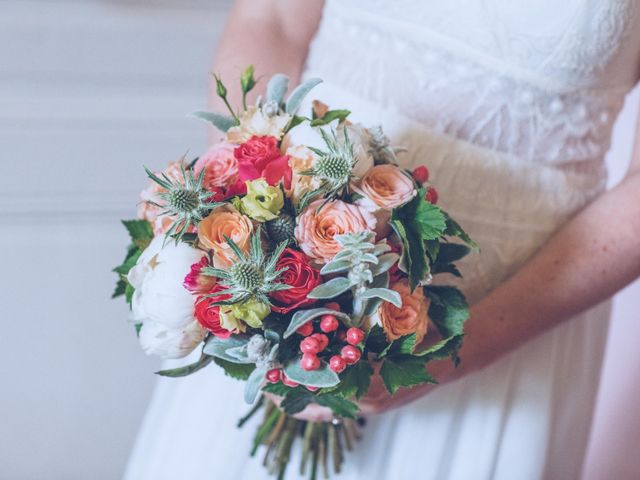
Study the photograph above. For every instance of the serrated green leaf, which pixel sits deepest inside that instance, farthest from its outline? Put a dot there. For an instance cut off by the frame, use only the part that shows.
(330, 116)
(296, 400)
(455, 230)
(322, 377)
(376, 340)
(339, 405)
(128, 294)
(354, 381)
(448, 309)
(402, 346)
(128, 264)
(279, 389)
(413, 253)
(202, 362)
(404, 372)
(430, 221)
(140, 231)
(121, 288)
(445, 348)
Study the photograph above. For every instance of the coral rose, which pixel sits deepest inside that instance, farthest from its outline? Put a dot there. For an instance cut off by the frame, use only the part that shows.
(385, 186)
(220, 167)
(300, 276)
(410, 318)
(225, 221)
(317, 226)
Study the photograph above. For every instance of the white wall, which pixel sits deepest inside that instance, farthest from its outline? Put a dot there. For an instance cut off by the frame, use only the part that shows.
(89, 91)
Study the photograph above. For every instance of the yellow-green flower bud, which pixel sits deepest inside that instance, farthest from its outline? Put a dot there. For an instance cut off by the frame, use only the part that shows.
(262, 201)
(237, 316)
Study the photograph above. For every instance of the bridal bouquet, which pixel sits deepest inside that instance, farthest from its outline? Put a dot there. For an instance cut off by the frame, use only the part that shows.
(295, 255)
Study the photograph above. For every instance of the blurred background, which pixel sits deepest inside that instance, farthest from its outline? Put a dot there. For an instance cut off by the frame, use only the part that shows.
(89, 91)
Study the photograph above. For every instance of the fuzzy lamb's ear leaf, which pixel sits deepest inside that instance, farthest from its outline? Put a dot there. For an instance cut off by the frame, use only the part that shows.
(335, 266)
(385, 262)
(277, 87)
(332, 288)
(217, 347)
(295, 99)
(385, 294)
(221, 122)
(322, 377)
(303, 316)
(254, 382)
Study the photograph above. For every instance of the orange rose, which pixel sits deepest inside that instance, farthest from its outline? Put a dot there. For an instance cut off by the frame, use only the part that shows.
(315, 228)
(221, 222)
(300, 160)
(410, 318)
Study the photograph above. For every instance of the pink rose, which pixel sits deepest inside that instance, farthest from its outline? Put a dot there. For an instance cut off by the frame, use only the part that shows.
(149, 212)
(316, 227)
(260, 157)
(220, 167)
(195, 281)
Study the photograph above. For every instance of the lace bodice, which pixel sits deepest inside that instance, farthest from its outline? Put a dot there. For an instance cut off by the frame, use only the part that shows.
(540, 80)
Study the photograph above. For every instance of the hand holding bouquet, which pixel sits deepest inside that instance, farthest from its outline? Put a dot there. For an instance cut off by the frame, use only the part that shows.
(296, 255)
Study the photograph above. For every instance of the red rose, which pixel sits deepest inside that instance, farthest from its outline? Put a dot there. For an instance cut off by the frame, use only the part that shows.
(209, 315)
(300, 275)
(260, 157)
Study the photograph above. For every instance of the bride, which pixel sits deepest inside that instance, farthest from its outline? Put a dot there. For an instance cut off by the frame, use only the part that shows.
(511, 104)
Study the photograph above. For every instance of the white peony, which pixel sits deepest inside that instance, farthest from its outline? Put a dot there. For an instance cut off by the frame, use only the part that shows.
(161, 303)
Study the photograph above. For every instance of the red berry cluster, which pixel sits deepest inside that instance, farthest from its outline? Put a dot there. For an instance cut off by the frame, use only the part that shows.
(421, 176)
(315, 343)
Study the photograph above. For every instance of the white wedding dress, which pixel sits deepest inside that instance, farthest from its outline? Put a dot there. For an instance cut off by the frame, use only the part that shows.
(510, 103)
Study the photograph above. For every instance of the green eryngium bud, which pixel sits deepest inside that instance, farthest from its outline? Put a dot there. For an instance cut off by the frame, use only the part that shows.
(221, 90)
(247, 81)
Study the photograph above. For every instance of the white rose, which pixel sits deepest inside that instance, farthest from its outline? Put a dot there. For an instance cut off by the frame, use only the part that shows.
(161, 303)
(253, 122)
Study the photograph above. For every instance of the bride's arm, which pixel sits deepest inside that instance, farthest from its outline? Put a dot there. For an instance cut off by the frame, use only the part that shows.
(596, 254)
(273, 35)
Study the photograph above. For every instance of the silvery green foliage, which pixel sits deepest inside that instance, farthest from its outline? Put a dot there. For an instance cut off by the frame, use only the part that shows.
(295, 99)
(253, 275)
(366, 266)
(184, 201)
(323, 377)
(221, 122)
(303, 316)
(243, 349)
(379, 147)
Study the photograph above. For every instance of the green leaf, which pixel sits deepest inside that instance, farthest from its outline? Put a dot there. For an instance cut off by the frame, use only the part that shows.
(296, 400)
(339, 405)
(415, 223)
(294, 122)
(354, 381)
(322, 377)
(376, 340)
(402, 346)
(140, 231)
(295, 99)
(128, 294)
(121, 288)
(404, 372)
(128, 264)
(448, 309)
(303, 316)
(330, 116)
(451, 252)
(455, 230)
(202, 362)
(221, 122)
(332, 288)
(239, 371)
(444, 348)
(279, 389)
(277, 87)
